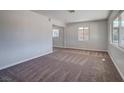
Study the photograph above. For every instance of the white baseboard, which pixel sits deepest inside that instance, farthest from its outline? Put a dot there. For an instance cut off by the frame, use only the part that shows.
(50, 51)
(87, 49)
(15, 63)
(114, 62)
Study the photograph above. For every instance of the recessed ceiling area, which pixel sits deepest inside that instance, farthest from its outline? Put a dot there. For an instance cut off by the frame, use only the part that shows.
(67, 16)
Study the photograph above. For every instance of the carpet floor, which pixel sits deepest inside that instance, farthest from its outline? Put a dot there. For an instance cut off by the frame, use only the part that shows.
(64, 65)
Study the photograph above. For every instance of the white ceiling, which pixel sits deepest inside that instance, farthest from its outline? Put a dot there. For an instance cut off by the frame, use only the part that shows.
(77, 16)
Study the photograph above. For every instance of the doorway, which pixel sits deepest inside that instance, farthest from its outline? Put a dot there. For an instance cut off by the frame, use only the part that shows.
(58, 36)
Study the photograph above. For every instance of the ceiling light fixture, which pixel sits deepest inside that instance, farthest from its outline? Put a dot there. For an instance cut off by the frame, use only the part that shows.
(71, 11)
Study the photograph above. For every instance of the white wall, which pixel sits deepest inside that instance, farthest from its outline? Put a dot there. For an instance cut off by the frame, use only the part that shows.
(57, 22)
(53, 21)
(116, 53)
(98, 36)
(23, 35)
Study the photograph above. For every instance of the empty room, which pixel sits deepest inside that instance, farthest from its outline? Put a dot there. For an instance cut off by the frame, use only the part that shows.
(61, 46)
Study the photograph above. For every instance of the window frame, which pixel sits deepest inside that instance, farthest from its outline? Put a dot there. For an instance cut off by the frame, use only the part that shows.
(82, 28)
(54, 36)
(113, 29)
(119, 19)
(120, 29)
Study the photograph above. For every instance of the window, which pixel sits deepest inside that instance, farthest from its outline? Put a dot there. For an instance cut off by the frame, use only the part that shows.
(118, 31)
(121, 31)
(80, 34)
(55, 32)
(115, 33)
(83, 33)
(86, 33)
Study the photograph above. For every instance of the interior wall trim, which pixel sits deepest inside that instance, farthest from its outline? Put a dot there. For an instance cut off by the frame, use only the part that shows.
(114, 62)
(42, 54)
(86, 49)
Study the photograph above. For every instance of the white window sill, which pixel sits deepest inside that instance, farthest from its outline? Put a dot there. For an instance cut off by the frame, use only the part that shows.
(116, 45)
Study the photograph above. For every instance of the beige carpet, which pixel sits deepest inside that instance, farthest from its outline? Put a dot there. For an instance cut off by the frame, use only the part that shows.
(65, 65)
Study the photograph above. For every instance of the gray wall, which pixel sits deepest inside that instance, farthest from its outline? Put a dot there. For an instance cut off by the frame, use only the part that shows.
(23, 35)
(59, 41)
(116, 53)
(98, 36)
